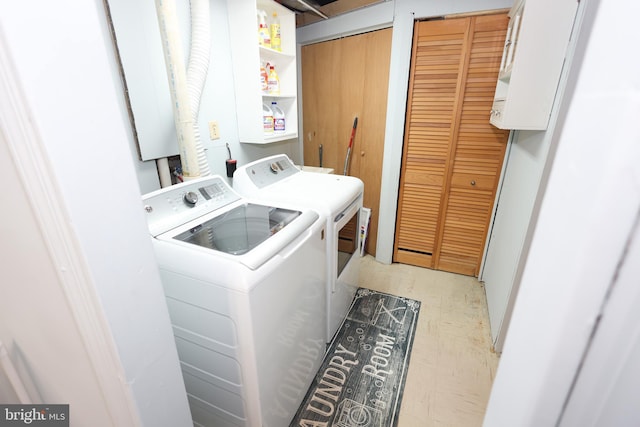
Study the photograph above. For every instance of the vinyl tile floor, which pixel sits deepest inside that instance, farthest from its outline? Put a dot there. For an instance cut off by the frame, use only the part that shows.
(452, 363)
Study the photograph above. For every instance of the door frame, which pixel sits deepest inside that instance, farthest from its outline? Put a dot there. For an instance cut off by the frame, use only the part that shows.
(21, 134)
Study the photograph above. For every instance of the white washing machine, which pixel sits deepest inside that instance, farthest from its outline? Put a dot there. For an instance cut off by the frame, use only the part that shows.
(337, 197)
(245, 292)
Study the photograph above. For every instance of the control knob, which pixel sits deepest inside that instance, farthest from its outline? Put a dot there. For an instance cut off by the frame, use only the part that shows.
(190, 198)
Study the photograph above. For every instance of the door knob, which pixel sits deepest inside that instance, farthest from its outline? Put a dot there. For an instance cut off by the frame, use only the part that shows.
(473, 182)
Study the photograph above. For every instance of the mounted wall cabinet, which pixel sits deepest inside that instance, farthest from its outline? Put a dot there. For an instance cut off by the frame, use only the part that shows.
(247, 57)
(532, 60)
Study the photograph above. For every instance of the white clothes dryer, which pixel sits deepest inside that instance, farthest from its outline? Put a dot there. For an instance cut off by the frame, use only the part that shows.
(245, 294)
(338, 198)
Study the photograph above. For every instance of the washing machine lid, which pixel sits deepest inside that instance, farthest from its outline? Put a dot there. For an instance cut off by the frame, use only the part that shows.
(239, 230)
(248, 233)
(276, 178)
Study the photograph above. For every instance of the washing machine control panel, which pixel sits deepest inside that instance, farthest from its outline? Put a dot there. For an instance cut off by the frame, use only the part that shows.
(175, 205)
(271, 170)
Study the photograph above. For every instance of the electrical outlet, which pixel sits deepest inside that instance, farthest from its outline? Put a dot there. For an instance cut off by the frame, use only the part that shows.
(214, 129)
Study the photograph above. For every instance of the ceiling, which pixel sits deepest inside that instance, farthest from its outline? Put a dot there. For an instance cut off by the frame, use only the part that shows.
(309, 11)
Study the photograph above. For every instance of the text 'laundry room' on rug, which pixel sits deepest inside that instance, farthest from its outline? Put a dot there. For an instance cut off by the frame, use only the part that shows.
(362, 376)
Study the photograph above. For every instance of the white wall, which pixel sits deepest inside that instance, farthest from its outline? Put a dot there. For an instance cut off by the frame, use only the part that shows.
(139, 53)
(525, 161)
(605, 393)
(510, 234)
(578, 267)
(67, 71)
(138, 40)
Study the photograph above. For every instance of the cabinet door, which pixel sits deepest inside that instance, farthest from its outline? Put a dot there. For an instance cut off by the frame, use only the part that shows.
(534, 56)
(511, 41)
(452, 155)
(342, 79)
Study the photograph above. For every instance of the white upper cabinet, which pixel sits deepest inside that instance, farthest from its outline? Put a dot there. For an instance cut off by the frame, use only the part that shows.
(534, 53)
(248, 56)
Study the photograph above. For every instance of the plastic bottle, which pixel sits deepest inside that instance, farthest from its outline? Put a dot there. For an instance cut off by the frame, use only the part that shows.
(264, 79)
(276, 42)
(273, 82)
(264, 38)
(278, 117)
(267, 118)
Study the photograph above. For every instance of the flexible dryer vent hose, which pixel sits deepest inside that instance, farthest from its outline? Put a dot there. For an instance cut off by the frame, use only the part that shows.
(197, 70)
(185, 109)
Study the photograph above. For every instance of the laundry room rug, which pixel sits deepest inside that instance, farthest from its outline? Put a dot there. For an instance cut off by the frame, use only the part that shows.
(362, 376)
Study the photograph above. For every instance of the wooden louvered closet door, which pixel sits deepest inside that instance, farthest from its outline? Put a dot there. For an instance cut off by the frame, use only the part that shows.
(452, 156)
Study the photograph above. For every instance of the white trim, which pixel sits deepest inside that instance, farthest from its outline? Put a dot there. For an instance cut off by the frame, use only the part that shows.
(399, 69)
(29, 155)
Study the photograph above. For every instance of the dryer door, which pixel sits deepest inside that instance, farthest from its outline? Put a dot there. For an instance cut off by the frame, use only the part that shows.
(346, 229)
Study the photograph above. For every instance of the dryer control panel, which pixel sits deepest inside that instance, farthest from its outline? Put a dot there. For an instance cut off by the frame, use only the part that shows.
(172, 206)
(270, 170)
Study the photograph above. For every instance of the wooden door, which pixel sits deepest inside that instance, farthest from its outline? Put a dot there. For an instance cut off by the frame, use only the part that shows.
(452, 155)
(343, 79)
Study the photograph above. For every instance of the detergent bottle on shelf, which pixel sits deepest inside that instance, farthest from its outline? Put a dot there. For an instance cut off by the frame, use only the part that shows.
(264, 79)
(278, 117)
(273, 81)
(276, 42)
(264, 36)
(267, 118)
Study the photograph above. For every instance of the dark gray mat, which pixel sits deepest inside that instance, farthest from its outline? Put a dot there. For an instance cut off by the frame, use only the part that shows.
(362, 376)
